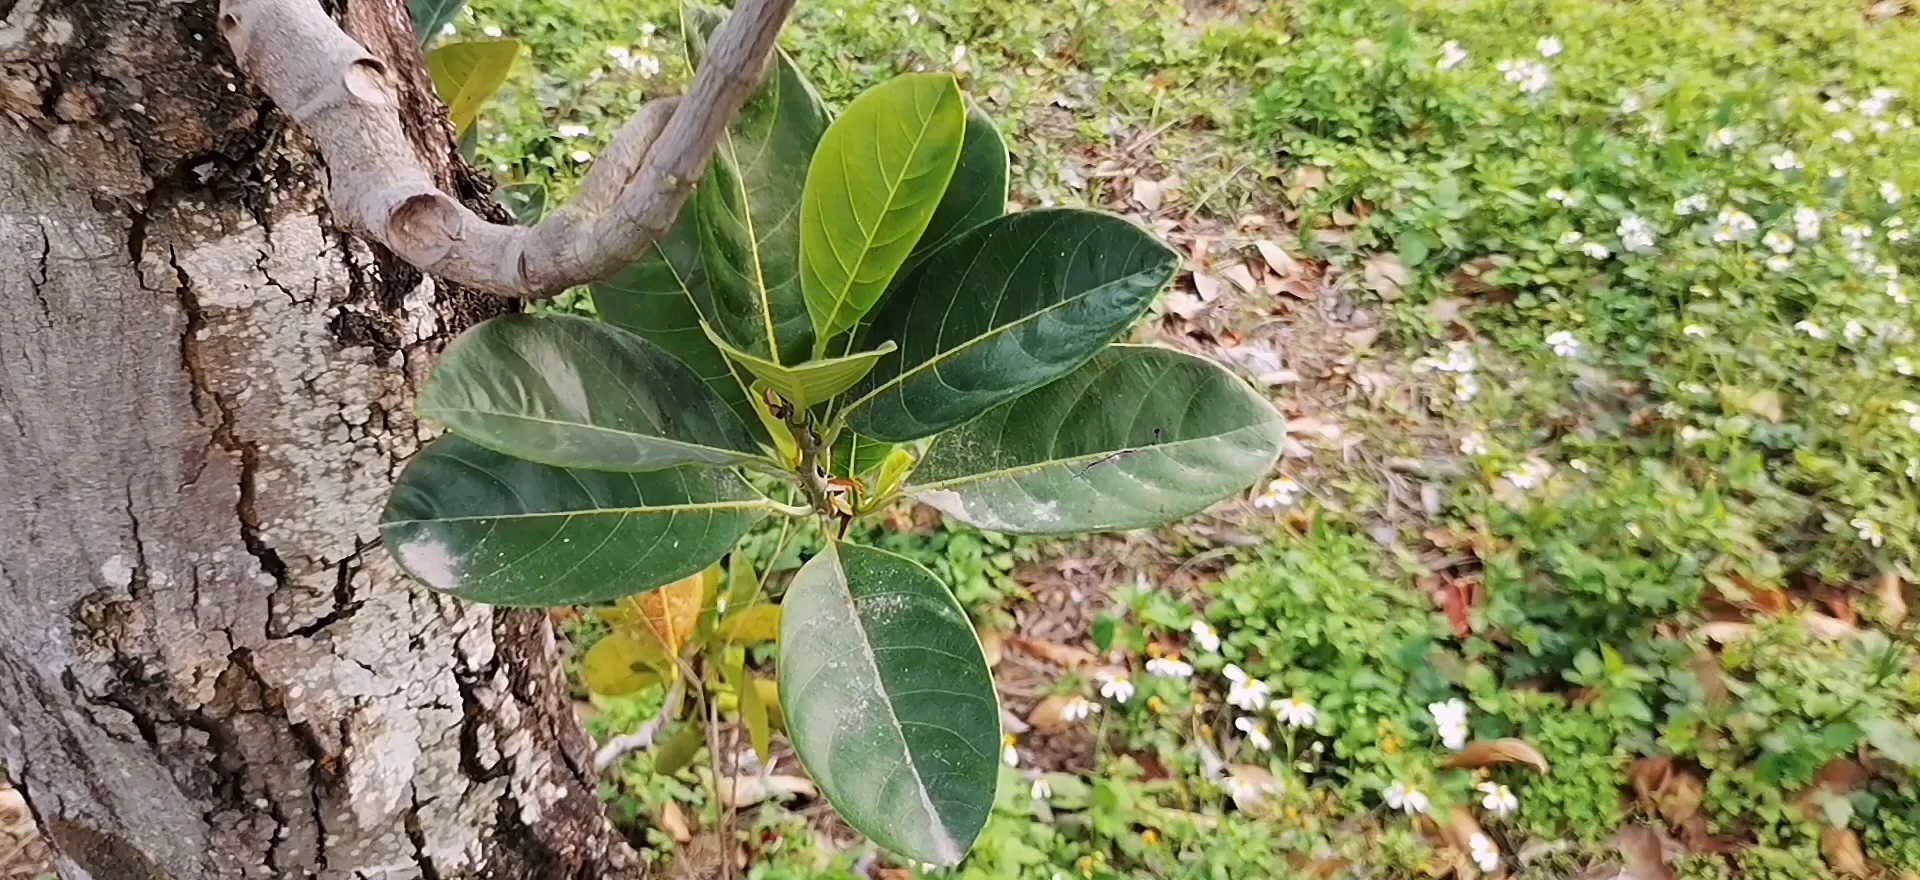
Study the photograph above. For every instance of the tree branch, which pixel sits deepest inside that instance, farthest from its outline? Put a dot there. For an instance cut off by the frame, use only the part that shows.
(342, 97)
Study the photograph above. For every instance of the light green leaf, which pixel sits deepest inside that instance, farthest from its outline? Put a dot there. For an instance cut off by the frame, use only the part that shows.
(467, 74)
(1138, 437)
(977, 193)
(494, 529)
(752, 710)
(429, 16)
(748, 208)
(808, 383)
(854, 455)
(663, 298)
(571, 392)
(527, 202)
(679, 750)
(1005, 308)
(888, 701)
(874, 183)
(617, 665)
(1893, 739)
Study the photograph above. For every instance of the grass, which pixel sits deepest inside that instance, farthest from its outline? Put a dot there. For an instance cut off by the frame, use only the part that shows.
(1674, 486)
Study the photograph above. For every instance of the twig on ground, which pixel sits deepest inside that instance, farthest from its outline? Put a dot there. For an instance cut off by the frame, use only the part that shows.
(642, 739)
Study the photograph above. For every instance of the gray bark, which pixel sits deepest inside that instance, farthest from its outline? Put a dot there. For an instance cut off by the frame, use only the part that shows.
(206, 668)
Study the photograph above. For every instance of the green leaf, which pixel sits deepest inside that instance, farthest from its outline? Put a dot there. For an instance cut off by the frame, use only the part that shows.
(874, 183)
(499, 530)
(743, 584)
(467, 74)
(429, 16)
(854, 455)
(1139, 437)
(572, 392)
(977, 194)
(680, 749)
(748, 208)
(1894, 740)
(1005, 308)
(752, 710)
(888, 701)
(663, 297)
(526, 201)
(805, 384)
(617, 665)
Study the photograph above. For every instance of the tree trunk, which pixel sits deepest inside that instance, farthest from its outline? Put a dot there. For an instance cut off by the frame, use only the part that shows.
(208, 669)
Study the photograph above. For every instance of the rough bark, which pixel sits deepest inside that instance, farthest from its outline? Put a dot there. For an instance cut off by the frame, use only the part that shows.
(206, 670)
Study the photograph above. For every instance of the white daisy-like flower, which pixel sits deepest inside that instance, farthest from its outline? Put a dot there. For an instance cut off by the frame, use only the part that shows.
(1854, 331)
(1834, 105)
(1078, 709)
(1205, 637)
(1530, 475)
(1451, 55)
(580, 157)
(1734, 226)
(1897, 293)
(1169, 667)
(1401, 796)
(648, 66)
(1530, 77)
(1690, 205)
(1248, 694)
(1903, 366)
(1449, 712)
(1041, 789)
(574, 131)
(1720, 139)
(1572, 238)
(1779, 263)
(1636, 234)
(1116, 687)
(1580, 464)
(1255, 731)
(1499, 799)
(1596, 250)
(1695, 331)
(1890, 192)
(1465, 387)
(1549, 46)
(1811, 329)
(1693, 436)
(1856, 235)
(1869, 531)
(1806, 223)
(1844, 136)
(1281, 494)
(911, 14)
(491, 31)
(1009, 753)
(1785, 160)
(1295, 712)
(1877, 102)
(1778, 241)
(1564, 344)
(1473, 443)
(1485, 854)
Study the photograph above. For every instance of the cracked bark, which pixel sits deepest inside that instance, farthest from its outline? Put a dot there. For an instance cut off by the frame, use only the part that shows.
(205, 669)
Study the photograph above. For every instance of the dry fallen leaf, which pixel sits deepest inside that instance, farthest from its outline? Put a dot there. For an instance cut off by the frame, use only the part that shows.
(1384, 275)
(673, 820)
(1892, 594)
(748, 789)
(1064, 656)
(993, 643)
(1724, 631)
(1250, 787)
(1205, 287)
(1644, 853)
(1674, 792)
(1241, 276)
(1281, 262)
(1186, 305)
(1147, 193)
(1821, 626)
(1489, 753)
(1048, 714)
(1841, 848)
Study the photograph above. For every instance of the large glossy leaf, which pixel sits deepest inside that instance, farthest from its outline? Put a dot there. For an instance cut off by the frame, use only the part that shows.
(888, 701)
(495, 529)
(748, 208)
(467, 74)
(429, 16)
(1138, 437)
(1004, 309)
(875, 181)
(854, 455)
(663, 297)
(977, 193)
(573, 392)
(809, 383)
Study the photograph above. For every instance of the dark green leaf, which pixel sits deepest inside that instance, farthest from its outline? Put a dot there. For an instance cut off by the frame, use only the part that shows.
(749, 209)
(1104, 629)
(875, 180)
(526, 201)
(1005, 308)
(888, 701)
(502, 531)
(809, 383)
(854, 455)
(1139, 437)
(682, 747)
(978, 192)
(571, 392)
(430, 16)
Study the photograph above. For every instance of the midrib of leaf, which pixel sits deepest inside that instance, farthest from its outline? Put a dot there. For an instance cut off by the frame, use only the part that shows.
(669, 441)
(687, 293)
(669, 510)
(753, 240)
(1023, 470)
(893, 188)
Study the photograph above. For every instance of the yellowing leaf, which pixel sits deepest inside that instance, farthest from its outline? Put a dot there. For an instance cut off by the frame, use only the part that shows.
(467, 75)
(769, 696)
(754, 626)
(753, 710)
(617, 665)
(668, 615)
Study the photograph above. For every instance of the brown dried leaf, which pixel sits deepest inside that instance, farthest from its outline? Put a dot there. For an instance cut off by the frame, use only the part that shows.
(1644, 853)
(1277, 259)
(1384, 275)
(1474, 278)
(1835, 779)
(1063, 656)
(1241, 276)
(1725, 631)
(1832, 629)
(1892, 595)
(1674, 792)
(1841, 848)
(746, 790)
(1147, 193)
(993, 643)
(1253, 786)
(1489, 753)
(673, 820)
(1048, 714)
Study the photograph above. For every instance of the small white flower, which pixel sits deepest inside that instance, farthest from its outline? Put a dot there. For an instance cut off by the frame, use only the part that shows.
(911, 14)
(1169, 667)
(648, 66)
(1499, 799)
(1400, 796)
(1530, 475)
(580, 157)
(1734, 226)
(1484, 853)
(1897, 293)
(1281, 493)
(1841, 409)
(1564, 344)
(1560, 195)
(1630, 104)
(1255, 731)
(1596, 250)
(1692, 204)
(1869, 531)
(1549, 47)
(1877, 102)
(1834, 105)
(1836, 173)
(1693, 436)
(1899, 235)
(959, 54)
(1078, 709)
(491, 31)
(1010, 755)
(1856, 235)
(1530, 77)
(575, 131)
(1451, 55)
(1580, 464)
(1465, 387)
(1116, 688)
(1041, 790)
(1811, 329)
(1295, 712)
(1844, 136)
(1779, 242)
(1248, 694)
(1854, 331)
(1890, 192)
(1452, 712)
(1205, 637)
(1806, 223)
(1779, 263)
(1572, 238)
(1474, 444)
(1905, 121)
(1785, 160)
(1636, 235)
(1903, 366)
(1720, 140)
(448, 30)
(1695, 331)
